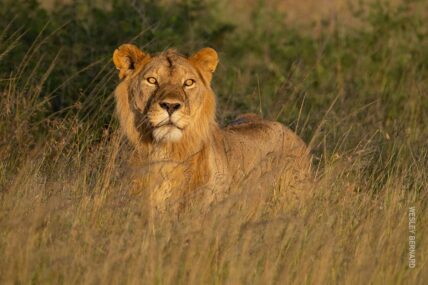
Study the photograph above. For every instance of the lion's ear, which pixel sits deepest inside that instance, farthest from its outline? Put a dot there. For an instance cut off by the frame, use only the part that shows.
(206, 58)
(127, 58)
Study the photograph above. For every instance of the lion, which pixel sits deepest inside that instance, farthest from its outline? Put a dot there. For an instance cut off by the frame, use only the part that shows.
(167, 110)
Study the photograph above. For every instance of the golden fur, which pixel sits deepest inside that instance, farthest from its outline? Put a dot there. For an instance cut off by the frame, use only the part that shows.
(166, 108)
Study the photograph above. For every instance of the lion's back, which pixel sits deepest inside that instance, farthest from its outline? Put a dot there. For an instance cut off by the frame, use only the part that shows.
(265, 134)
(251, 142)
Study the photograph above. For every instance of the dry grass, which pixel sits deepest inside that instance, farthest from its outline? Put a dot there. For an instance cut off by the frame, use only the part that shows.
(78, 224)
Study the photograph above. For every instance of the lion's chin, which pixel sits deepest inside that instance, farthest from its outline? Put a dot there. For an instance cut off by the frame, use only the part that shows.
(168, 133)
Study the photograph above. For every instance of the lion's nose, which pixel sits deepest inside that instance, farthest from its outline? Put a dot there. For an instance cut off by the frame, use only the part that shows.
(170, 107)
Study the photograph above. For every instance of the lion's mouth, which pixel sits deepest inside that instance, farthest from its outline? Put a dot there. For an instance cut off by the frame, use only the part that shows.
(168, 124)
(167, 132)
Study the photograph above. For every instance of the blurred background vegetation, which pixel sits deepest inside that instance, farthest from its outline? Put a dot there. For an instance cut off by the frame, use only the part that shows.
(373, 60)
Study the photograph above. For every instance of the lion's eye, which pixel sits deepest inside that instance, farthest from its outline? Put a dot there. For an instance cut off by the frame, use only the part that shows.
(152, 80)
(189, 82)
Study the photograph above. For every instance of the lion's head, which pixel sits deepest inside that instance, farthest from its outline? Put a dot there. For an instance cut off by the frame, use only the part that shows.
(166, 98)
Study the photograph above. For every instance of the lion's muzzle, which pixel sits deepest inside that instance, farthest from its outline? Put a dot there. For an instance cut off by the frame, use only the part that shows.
(167, 113)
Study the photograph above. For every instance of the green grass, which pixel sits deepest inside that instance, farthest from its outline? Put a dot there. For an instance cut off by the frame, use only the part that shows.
(357, 94)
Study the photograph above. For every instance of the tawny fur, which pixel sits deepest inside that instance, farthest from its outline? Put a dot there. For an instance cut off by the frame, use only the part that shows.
(205, 156)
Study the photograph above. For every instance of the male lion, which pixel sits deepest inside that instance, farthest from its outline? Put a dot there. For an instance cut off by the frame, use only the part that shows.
(166, 108)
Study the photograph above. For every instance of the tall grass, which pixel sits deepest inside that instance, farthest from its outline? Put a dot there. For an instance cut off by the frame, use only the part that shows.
(358, 95)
